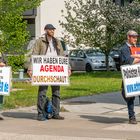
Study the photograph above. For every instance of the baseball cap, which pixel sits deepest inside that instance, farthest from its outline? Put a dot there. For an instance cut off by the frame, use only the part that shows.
(49, 26)
(132, 33)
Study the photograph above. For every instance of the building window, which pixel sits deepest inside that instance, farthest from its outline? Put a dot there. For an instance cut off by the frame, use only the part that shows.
(31, 26)
(122, 2)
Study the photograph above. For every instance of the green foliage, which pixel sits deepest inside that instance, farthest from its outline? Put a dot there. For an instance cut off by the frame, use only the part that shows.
(12, 27)
(16, 62)
(100, 24)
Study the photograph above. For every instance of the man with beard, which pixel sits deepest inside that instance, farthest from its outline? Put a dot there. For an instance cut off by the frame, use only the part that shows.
(50, 46)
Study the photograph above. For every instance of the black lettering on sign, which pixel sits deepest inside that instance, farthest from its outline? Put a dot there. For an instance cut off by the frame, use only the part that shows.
(37, 60)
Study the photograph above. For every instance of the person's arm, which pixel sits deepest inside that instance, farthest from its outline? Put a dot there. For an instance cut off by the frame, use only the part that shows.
(136, 56)
(59, 46)
(2, 64)
(36, 51)
(136, 60)
(2, 60)
(125, 56)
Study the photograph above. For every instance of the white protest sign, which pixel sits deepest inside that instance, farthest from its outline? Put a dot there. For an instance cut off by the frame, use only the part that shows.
(5, 80)
(131, 79)
(50, 70)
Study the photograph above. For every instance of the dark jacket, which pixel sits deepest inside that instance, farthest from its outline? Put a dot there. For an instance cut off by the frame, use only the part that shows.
(125, 55)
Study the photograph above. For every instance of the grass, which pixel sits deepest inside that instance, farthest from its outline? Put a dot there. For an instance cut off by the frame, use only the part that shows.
(81, 84)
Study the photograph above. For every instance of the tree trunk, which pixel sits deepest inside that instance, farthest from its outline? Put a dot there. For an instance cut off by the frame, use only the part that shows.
(107, 62)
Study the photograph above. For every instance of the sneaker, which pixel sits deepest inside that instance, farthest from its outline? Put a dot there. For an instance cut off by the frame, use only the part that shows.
(58, 117)
(41, 118)
(132, 121)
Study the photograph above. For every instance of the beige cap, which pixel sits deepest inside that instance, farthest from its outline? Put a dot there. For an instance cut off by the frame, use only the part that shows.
(132, 33)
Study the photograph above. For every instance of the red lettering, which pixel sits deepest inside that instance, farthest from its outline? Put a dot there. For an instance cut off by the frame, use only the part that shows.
(62, 69)
(46, 68)
(41, 68)
(51, 68)
(55, 68)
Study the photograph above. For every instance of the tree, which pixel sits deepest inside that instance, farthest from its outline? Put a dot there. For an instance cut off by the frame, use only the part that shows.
(13, 33)
(100, 24)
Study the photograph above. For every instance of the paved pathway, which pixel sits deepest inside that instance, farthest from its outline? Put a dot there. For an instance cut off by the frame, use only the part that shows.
(98, 117)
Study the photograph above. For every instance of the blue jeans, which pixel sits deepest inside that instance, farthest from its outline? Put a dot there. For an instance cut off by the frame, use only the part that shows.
(130, 104)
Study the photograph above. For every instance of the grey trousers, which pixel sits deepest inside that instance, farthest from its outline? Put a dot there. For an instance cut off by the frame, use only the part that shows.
(42, 99)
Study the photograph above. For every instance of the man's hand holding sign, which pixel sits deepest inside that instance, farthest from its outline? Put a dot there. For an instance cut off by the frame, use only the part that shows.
(2, 64)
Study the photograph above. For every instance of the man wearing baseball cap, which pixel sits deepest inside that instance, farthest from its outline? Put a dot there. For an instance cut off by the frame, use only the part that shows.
(49, 26)
(50, 46)
(127, 58)
(132, 33)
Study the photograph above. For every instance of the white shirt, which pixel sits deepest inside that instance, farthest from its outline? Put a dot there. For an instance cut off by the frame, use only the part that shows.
(51, 50)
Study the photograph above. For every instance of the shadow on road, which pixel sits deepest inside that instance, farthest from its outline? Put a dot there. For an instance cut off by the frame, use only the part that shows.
(102, 119)
(110, 98)
(20, 115)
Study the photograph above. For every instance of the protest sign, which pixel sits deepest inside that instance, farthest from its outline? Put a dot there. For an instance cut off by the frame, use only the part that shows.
(5, 80)
(131, 79)
(50, 70)
(135, 50)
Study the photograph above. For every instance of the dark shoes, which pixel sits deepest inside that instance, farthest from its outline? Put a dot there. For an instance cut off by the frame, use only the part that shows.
(58, 117)
(41, 118)
(132, 121)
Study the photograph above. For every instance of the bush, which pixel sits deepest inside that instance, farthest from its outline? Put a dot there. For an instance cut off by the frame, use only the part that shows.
(16, 62)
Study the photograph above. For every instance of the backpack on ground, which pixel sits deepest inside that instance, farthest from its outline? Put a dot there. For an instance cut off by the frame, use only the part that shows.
(49, 108)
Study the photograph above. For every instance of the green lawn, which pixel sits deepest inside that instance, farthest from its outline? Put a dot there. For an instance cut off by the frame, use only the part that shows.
(81, 84)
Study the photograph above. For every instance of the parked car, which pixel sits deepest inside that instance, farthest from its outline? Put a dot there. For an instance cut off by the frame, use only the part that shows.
(116, 56)
(89, 60)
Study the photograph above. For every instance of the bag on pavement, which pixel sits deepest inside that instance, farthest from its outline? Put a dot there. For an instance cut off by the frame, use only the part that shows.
(48, 108)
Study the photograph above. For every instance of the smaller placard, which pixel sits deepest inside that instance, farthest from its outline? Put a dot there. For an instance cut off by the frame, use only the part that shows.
(5, 80)
(131, 79)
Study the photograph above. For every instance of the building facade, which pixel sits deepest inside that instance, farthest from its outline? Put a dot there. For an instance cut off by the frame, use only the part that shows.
(50, 12)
